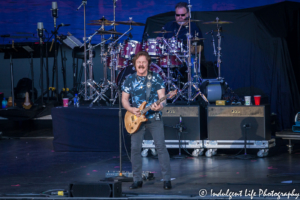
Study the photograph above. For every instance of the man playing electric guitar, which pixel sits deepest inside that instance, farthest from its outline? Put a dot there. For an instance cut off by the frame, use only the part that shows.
(148, 86)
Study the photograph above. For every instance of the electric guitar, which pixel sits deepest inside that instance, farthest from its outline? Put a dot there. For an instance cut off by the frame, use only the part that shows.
(133, 123)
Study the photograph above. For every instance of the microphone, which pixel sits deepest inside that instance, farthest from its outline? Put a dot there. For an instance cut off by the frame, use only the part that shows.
(54, 12)
(40, 30)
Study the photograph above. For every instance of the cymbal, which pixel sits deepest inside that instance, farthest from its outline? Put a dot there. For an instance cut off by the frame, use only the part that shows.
(192, 20)
(110, 32)
(102, 21)
(197, 39)
(162, 31)
(133, 23)
(218, 22)
(22, 37)
(105, 23)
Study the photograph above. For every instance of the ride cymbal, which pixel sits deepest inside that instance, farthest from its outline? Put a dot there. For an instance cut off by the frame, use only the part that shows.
(110, 32)
(218, 22)
(162, 31)
(133, 23)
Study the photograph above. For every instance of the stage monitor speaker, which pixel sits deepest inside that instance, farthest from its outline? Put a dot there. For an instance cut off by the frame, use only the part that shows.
(227, 122)
(193, 120)
(95, 189)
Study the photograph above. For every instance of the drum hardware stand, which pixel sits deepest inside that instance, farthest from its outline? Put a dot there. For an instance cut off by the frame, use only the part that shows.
(112, 83)
(218, 53)
(90, 64)
(169, 78)
(190, 83)
(100, 94)
(84, 2)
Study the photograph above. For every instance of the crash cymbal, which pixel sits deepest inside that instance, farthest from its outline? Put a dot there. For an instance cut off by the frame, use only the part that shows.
(218, 22)
(162, 31)
(102, 21)
(110, 32)
(197, 39)
(133, 23)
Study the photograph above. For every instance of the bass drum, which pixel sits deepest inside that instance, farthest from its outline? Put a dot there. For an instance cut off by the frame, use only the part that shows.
(131, 69)
(213, 89)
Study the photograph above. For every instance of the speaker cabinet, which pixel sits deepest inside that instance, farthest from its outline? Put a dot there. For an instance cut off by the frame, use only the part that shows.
(95, 189)
(227, 122)
(190, 115)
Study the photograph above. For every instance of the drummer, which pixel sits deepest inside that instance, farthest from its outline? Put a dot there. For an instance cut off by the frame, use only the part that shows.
(181, 16)
(176, 30)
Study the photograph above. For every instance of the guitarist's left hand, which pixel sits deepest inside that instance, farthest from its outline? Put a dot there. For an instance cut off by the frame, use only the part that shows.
(156, 107)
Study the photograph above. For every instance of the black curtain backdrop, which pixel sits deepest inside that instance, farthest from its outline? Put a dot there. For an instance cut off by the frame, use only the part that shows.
(260, 52)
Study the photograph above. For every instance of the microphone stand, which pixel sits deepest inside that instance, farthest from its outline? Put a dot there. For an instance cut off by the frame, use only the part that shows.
(245, 156)
(41, 68)
(179, 127)
(121, 177)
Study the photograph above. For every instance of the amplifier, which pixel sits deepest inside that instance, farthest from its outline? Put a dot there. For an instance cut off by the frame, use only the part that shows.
(95, 189)
(193, 121)
(229, 122)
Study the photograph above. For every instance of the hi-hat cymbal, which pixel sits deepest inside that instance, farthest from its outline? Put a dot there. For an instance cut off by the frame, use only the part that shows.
(218, 22)
(133, 23)
(162, 31)
(110, 32)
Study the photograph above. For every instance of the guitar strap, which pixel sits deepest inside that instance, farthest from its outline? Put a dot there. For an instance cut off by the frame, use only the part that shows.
(148, 85)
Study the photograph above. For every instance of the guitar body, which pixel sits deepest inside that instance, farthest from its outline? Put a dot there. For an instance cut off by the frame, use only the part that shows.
(132, 122)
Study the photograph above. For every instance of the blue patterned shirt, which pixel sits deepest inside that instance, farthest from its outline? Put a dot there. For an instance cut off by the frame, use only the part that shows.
(136, 86)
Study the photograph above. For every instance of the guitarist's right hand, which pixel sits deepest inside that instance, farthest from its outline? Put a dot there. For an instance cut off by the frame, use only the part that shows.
(136, 111)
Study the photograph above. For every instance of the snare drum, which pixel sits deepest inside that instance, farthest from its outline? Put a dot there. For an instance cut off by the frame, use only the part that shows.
(130, 48)
(174, 62)
(174, 45)
(153, 47)
(131, 69)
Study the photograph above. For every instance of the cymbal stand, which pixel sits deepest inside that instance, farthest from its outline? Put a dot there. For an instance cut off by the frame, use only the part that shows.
(169, 78)
(188, 86)
(90, 64)
(219, 61)
(84, 2)
(113, 65)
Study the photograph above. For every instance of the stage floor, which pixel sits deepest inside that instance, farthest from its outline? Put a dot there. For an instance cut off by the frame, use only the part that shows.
(31, 166)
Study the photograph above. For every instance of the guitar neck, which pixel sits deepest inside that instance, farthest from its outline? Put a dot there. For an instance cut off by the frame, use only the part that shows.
(145, 110)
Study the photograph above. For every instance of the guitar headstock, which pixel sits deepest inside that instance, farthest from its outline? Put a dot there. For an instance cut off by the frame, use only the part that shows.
(172, 93)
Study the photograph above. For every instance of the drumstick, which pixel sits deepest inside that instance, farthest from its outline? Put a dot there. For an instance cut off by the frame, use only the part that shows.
(199, 70)
(179, 30)
(51, 45)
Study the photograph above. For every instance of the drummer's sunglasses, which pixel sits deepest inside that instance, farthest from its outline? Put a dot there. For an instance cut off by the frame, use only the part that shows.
(177, 15)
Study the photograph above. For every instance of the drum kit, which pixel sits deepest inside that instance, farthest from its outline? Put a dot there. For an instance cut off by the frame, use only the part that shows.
(168, 56)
